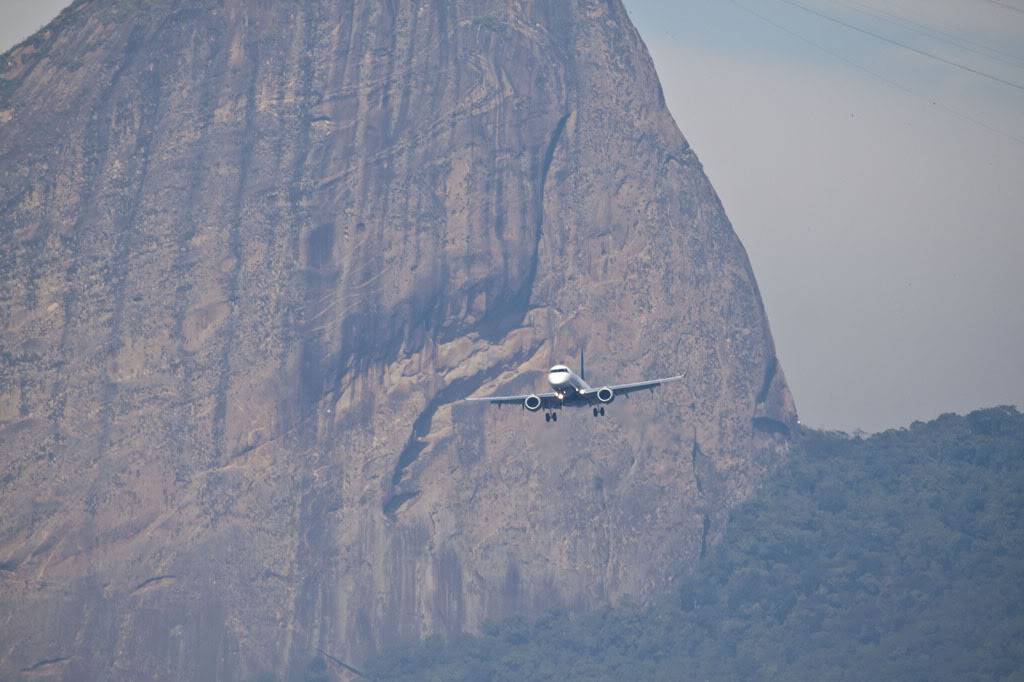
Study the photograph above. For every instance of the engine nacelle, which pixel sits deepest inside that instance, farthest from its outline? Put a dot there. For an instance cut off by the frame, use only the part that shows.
(532, 403)
(605, 395)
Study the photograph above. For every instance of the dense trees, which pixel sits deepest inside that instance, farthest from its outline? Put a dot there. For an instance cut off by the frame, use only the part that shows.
(899, 556)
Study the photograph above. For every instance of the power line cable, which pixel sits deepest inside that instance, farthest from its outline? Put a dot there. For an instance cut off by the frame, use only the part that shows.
(921, 29)
(923, 53)
(1012, 56)
(1006, 5)
(899, 86)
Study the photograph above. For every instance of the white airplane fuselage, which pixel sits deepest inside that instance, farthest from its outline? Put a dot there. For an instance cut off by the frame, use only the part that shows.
(566, 383)
(571, 390)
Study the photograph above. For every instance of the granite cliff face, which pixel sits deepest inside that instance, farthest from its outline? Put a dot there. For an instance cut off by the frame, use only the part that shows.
(257, 253)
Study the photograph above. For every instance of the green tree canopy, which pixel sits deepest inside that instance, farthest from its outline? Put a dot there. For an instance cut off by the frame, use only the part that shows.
(896, 557)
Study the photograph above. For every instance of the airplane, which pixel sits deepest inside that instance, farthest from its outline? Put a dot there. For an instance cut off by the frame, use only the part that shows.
(572, 390)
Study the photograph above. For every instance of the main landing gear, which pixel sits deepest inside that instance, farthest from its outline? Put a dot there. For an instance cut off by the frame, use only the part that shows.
(550, 416)
(599, 411)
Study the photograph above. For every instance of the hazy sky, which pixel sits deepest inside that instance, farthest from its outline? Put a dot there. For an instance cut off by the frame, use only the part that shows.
(885, 230)
(21, 18)
(870, 154)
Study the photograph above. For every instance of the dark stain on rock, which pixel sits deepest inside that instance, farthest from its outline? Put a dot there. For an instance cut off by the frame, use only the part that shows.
(457, 390)
(769, 425)
(769, 375)
(396, 500)
(449, 607)
(320, 247)
(46, 665)
(704, 536)
(695, 454)
(511, 590)
(156, 581)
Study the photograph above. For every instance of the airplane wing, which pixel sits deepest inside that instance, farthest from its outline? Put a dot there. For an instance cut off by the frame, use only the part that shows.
(626, 389)
(548, 400)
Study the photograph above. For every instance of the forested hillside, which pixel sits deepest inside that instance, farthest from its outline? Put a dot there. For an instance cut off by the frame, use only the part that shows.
(896, 557)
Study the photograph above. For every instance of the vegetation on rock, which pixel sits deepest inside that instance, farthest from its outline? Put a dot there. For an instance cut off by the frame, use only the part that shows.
(896, 557)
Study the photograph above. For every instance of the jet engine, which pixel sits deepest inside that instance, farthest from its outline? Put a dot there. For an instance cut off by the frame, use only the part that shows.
(605, 395)
(532, 403)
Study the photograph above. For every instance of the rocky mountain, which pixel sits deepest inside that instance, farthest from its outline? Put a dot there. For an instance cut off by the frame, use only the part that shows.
(257, 253)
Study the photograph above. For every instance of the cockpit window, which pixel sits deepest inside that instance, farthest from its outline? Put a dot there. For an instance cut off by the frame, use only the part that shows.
(559, 370)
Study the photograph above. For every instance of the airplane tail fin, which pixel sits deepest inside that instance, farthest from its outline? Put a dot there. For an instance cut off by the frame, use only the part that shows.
(583, 369)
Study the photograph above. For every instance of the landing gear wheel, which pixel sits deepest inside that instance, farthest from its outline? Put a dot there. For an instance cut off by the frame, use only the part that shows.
(595, 411)
(547, 416)
(602, 411)
(554, 416)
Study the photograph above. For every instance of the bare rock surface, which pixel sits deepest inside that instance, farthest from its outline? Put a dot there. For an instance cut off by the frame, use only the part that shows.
(257, 253)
